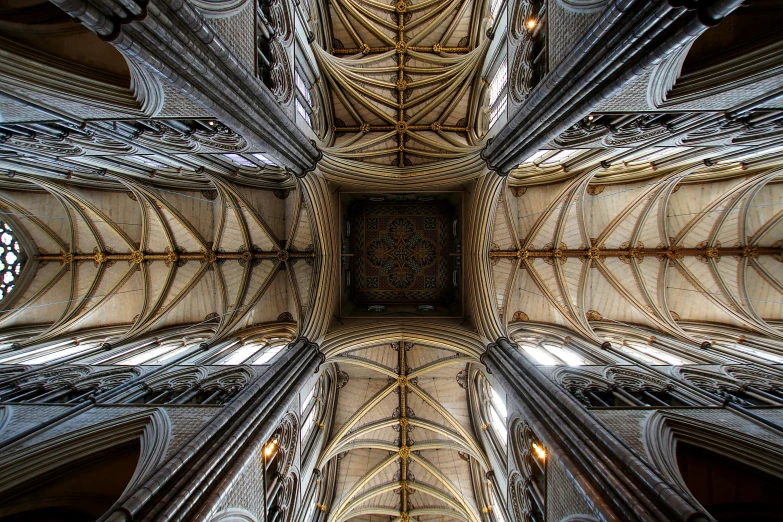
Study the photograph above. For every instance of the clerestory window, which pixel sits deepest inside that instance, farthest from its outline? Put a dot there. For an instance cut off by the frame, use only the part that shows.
(498, 98)
(304, 101)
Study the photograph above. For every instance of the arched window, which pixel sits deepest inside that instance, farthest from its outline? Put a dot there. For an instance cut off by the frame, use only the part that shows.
(762, 354)
(550, 354)
(651, 355)
(494, 10)
(49, 352)
(11, 259)
(304, 102)
(255, 352)
(308, 413)
(498, 99)
(495, 414)
(496, 504)
(161, 353)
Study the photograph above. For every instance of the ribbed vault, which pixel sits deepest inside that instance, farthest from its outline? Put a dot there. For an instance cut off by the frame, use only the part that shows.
(649, 253)
(147, 259)
(402, 435)
(404, 78)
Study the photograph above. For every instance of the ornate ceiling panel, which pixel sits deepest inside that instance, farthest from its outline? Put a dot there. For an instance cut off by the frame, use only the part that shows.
(152, 260)
(404, 80)
(402, 435)
(650, 253)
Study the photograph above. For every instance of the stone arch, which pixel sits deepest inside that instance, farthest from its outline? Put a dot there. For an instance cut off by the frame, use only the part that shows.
(663, 430)
(25, 469)
(744, 49)
(234, 515)
(54, 61)
(583, 6)
(219, 9)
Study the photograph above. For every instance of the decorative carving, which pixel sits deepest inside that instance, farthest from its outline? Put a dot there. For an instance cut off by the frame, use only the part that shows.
(462, 379)
(342, 379)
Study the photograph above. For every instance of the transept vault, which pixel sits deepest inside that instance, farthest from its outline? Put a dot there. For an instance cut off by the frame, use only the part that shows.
(409, 260)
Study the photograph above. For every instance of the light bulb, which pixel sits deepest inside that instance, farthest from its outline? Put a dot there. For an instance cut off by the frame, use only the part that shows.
(539, 451)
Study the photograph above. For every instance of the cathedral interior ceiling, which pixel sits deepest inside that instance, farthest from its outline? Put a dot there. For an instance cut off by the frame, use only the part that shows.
(641, 252)
(404, 254)
(659, 220)
(402, 435)
(151, 258)
(404, 80)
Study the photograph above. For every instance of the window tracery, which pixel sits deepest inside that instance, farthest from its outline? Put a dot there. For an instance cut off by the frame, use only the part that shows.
(498, 97)
(621, 388)
(550, 354)
(493, 413)
(527, 485)
(279, 479)
(745, 387)
(11, 259)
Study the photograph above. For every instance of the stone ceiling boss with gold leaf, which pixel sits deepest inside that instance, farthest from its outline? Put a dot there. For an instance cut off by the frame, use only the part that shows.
(408, 260)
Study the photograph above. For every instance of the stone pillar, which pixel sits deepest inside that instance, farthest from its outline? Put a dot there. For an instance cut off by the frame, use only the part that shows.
(193, 483)
(618, 483)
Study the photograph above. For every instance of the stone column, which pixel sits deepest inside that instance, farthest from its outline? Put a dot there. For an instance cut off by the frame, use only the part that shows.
(192, 484)
(616, 481)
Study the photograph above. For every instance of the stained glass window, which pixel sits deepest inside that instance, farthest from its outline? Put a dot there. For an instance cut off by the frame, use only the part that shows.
(11, 259)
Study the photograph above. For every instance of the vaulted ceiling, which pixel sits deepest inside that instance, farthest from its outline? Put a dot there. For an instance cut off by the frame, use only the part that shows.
(149, 258)
(404, 79)
(647, 253)
(402, 434)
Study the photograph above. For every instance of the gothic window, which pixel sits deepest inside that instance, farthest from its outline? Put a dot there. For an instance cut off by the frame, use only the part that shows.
(497, 93)
(304, 102)
(497, 505)
(497, 414)
(239, 160)
(495, 9)
(11, 259)
(148, 162)
(549, 354)
(762, 354)
(58, 353)
(263, 159)
(308, 414)
(159, 353)
(256, 352)
(652, 355)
